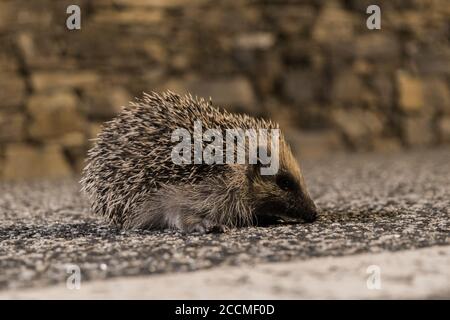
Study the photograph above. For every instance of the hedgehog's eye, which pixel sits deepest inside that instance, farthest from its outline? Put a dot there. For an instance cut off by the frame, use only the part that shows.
(286, 183)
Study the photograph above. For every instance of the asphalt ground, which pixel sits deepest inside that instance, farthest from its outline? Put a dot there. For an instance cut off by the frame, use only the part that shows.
(407, 274)
(369, 203)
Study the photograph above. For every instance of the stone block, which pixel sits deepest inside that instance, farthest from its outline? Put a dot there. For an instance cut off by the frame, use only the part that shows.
(380, 47)
(300, 86)
(29, 162)
(255, 40)
(417, 131)
(444, 129)
(313, 144)
(410, 92)
(359, 127)
(12, 127)
(53, 115)
(437, 94)
(13, 90)
(129, 16)
(59, 80)
(347, 89)
(104, 101)
(333, 25)
(234, 93)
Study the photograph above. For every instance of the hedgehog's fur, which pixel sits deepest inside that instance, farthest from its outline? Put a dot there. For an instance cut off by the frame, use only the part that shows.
(131, 179)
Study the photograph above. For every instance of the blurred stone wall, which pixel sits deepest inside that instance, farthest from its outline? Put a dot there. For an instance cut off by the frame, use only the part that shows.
(311, 65)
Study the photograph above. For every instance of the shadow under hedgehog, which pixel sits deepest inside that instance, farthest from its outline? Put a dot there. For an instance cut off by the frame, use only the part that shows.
(131, 179)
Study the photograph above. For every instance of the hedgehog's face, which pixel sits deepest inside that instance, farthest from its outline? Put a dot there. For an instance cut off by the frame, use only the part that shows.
(282, 196)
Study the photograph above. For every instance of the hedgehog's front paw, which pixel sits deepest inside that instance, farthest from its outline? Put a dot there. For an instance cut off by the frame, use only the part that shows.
(217, 228)
(206, 226)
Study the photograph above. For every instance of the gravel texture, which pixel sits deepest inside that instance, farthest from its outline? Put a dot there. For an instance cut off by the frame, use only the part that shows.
(370, 203)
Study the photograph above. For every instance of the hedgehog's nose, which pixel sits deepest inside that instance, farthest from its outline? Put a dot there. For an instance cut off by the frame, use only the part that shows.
(310, 214)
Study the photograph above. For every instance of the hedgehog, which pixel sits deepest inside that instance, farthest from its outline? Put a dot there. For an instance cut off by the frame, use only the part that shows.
(131, 179)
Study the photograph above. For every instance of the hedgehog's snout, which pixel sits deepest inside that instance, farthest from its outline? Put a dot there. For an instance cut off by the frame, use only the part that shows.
(307, 212)
(309, 215)
(273, 211)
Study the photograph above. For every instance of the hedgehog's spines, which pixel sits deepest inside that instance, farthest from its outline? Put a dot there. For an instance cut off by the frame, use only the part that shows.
(129, 173)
